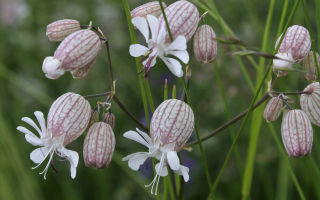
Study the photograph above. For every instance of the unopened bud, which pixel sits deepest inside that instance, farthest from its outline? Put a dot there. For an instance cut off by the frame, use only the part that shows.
(58, 30)
(110, 119)
(309, 65)
(76, 51)
(273, 109)
(99, 145)
(297, 134)
(310, 103)
(151, 8)
(204, 44)
(183, 19)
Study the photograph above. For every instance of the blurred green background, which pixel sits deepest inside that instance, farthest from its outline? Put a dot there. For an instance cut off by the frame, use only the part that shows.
(24, 89)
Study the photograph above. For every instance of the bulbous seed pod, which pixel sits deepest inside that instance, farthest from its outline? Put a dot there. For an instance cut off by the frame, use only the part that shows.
(99, 145)
(110, 119)
(93, 119)
(204, 44)
(183, 19)
(68, 117)
(310, 103)
(297, 134)
(76, 51)
(295, 46)
(273, 109)
(310, 66)
(172, 123)
(150, 8)
(58, 30)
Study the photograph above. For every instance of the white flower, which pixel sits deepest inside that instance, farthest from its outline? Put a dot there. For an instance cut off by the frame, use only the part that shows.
(165, 154)
(157, 47)
(48, 145)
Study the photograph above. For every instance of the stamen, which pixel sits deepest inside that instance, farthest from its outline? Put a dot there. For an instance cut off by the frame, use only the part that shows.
(43, 158)
(156, 179)
(46, 169)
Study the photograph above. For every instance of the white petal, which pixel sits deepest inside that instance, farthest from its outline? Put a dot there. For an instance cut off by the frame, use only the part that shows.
(164, 170)
(52, 67)
(136, 159)
(31, 123)
(141, 24)
(25, 131)
(174, 66)
(182, 55)
(42, 122)
(173, 160)
(184, 171)
(154, 25)
(35, 141)
(73, 158)
(145, 136)
(137, 50)
(180, 43)
(285, 62)
(132, 135)
(162, 33)
(39, 155)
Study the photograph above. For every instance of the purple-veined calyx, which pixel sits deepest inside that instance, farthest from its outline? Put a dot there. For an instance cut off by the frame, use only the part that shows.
(309, 65)
(158, 47)
(273, 108)
(99, 145)
(310, 103)
(294, 47)
(76, 53)
(150, 8)
(171, 126)
(68, 118)
(297, 134)
(60, 29)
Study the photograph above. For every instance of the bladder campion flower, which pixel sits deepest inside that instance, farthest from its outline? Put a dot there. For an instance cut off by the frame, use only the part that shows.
(58, 30)
(171, 126)
(68, 117)
(157, 47)
(273, 109)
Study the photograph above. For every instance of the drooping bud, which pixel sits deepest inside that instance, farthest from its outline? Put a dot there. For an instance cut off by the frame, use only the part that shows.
(172, 123)
(68, 117)
(294, 47)
(310, 103)
(309, 65)
(204, 44)
(150, 8)
(58, 30)
(183, 19)
(297, 134)
(76, 51)
(110, 119)
(99, 145)
(93, 119)
(273, 109)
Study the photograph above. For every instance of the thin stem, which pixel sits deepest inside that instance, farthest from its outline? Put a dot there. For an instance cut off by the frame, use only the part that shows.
(229, 123)
(166, 20)
(110, 65)
(291, 93)
(97, 95)
(115, 98)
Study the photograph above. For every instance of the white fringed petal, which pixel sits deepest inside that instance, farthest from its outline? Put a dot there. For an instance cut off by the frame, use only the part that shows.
(164, 170)
(141, 24)
(135, 160)
(180, 43)
(132, 135)
(174, 66)
(182, 55)
(42, 123)
(173, 160)
(72, 157)
(137, 50)
(40, 154)
(154, 25)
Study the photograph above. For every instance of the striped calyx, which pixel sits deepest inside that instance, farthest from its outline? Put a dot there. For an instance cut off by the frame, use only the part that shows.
(297, 134)
(273, 109)
(172, 123)
(204, 44)
(76, 52)
(110, 119)
(309, 65)
(99, 145)
(60, 29)
(150, 8)
(183, 19)
(68, 117)
(310, 103)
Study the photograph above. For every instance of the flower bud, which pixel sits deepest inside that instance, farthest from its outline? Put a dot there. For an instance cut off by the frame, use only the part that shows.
(58, 30)
(93, 119)
(294, 47)
(82, 72)
(110, 119)
(99, 145)
(172, 123)
(309, 65)
(68, 117)
(204, 44)
(273, 109)
(297, 134)
(151, 8)
(76, 51)
(183, 19)
(310, 103)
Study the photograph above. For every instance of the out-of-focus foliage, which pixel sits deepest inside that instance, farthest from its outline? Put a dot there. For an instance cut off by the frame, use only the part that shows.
(24, 89)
